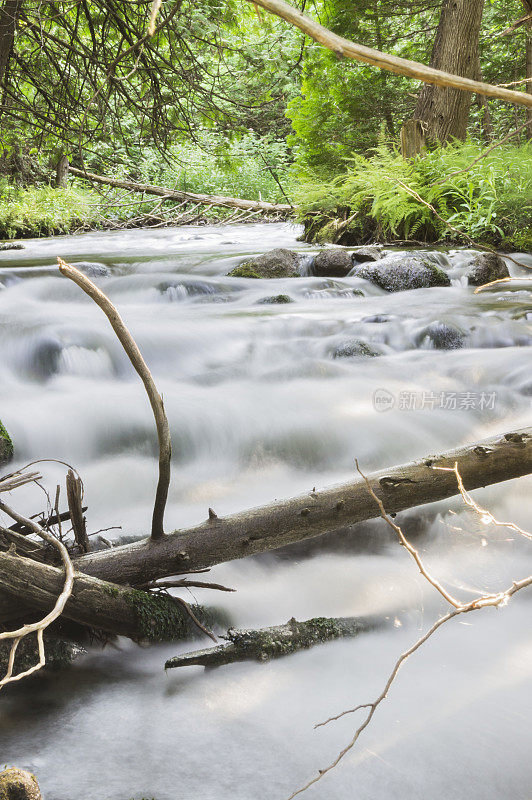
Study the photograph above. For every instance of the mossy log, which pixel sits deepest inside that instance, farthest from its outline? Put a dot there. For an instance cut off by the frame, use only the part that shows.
(258, 530)
(279, 640)
(98, 604)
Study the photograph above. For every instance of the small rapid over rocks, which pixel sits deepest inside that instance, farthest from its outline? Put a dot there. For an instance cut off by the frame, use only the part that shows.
(274, 386)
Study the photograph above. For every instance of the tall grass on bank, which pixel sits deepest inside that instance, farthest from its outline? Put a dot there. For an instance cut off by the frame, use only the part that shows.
(491, 202)
(42, 210)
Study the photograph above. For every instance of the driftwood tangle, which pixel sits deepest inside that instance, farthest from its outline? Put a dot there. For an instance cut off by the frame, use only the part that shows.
(119, 609)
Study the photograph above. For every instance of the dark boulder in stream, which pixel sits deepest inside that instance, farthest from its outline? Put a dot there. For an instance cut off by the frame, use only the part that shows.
(397, 273)
(441, 336)
(487, 267)
(278, 263)
(333, 263)
(338, 263)
(277, 299)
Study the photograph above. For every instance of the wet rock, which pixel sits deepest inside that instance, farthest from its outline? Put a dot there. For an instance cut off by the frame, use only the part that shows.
(378, 318)
(275, 299)
(11, 246)
(180, 290)
(45, 359)
(18, 784)
(93, 269)
(278, 263)
(487, 267)
(364, 254)
(441, 336)
(6, 446)
(398, 273)
(333, 263)
(356, 348)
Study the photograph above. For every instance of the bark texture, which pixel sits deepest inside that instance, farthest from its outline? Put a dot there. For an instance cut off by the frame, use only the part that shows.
(528, 55)
(444, 111)
(217, 540)
(8, 19)
(276, 641)
(118, 610)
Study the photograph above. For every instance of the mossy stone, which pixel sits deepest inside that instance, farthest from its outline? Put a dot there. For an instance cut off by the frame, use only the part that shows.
(356, 348)
(18, 784)
(277, 299)
(278, 263)
(487, 267)
(6, 446)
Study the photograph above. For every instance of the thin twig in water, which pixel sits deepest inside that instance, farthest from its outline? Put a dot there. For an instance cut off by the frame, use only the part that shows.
(497, 599)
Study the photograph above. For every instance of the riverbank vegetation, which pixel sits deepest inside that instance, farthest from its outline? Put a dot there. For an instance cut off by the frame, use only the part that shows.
(451, 194)
(230, 101)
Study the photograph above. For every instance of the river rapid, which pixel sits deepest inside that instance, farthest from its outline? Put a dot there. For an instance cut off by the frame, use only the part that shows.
(262, 404)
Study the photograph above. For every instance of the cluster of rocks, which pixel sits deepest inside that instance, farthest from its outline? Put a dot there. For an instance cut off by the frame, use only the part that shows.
(393, 272)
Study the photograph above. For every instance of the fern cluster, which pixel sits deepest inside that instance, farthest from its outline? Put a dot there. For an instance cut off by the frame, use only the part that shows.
(388, 198)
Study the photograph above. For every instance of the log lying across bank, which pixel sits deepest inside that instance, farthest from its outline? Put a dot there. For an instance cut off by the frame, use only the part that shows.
(172, 194)
(284, 522)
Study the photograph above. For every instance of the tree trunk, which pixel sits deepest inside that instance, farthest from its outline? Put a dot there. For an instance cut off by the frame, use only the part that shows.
(8, 20)
(444, 112)
(172, 194)
(117, 610)
(528, 55)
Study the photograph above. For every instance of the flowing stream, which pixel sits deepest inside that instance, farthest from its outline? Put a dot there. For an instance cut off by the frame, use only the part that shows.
(265, 402)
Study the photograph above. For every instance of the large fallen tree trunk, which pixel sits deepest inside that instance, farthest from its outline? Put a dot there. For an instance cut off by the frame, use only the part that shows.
(276, 641)
(278, 524)
(173, 194)
(217, 540)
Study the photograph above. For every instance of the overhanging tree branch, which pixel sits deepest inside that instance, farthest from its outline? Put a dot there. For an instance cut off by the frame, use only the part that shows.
(344, 48)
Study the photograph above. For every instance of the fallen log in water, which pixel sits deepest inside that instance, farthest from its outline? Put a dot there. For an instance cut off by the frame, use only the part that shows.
(173, 194)
(274, 642)
(118, 610)
(283, 522)
(217, 540)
